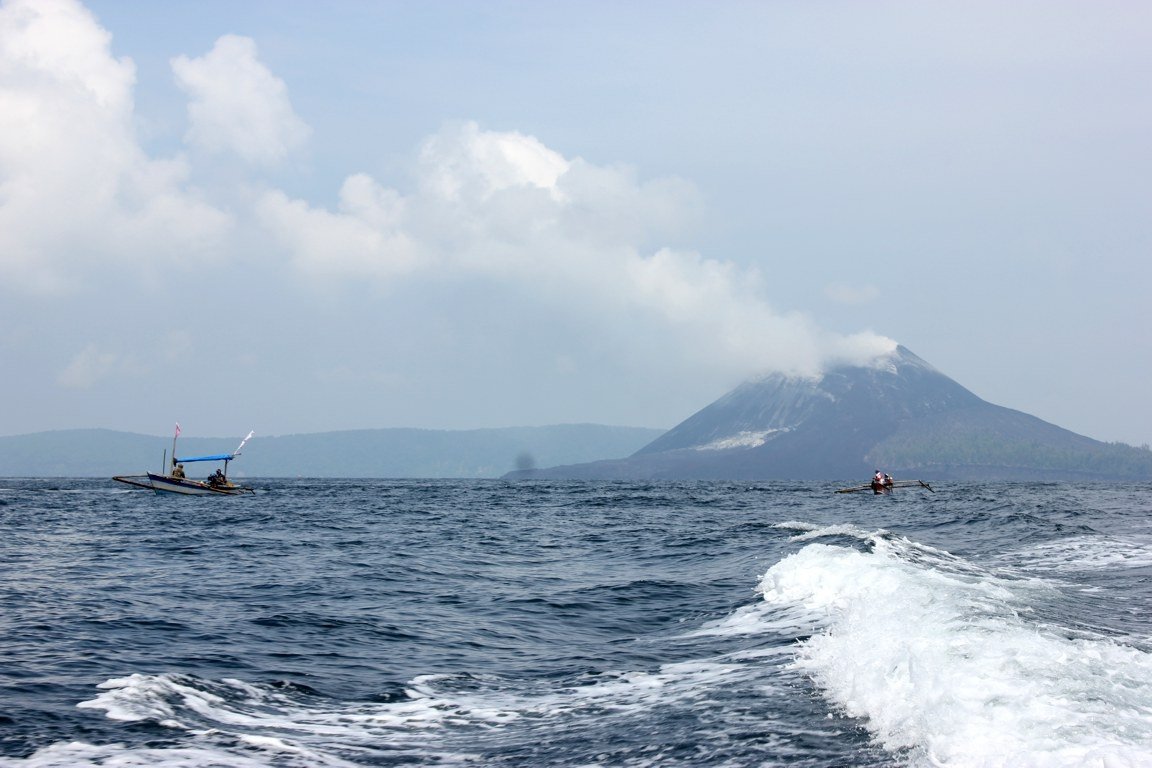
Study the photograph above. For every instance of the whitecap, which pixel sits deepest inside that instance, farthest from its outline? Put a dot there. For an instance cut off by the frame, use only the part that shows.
(943, 663)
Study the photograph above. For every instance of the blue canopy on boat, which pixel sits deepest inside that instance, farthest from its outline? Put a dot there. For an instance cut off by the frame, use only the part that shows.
(216, 457)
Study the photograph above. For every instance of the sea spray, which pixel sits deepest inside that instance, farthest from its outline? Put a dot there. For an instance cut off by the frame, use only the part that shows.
(947, 664)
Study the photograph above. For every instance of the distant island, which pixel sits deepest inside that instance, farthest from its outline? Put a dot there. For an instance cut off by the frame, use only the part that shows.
(382, 453)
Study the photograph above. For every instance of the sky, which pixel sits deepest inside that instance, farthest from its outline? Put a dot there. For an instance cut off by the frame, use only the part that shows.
(291, 217)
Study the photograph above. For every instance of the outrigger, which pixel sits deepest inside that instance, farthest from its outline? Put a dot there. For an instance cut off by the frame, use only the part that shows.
(174, 481)
(887, 486)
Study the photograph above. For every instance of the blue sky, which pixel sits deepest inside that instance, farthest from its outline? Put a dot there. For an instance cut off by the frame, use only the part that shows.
(296, 217)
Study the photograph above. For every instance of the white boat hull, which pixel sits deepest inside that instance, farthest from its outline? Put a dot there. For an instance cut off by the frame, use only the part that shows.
(184, 486)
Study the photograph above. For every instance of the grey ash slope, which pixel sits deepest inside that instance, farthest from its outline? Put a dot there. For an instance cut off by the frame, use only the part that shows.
(902, 415)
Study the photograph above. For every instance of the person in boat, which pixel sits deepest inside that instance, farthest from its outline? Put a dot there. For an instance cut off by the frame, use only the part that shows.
(217, 479)
(178, 472)
(881, 482)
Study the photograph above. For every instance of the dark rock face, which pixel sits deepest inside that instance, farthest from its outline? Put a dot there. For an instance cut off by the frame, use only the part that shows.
(903, 416)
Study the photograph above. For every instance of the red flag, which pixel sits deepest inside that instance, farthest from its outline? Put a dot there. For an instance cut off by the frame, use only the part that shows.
(177, 429)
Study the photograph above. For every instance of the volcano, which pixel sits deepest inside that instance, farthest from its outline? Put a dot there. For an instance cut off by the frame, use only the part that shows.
(899, 414)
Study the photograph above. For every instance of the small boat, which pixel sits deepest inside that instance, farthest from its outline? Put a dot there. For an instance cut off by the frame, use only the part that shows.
(216, 484)
(879, 488)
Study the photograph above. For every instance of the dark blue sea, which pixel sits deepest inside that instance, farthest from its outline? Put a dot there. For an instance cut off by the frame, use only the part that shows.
(489, 623)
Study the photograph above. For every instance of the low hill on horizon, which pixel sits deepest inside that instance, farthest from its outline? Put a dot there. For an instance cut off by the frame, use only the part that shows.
(368, 453)
(900, 415)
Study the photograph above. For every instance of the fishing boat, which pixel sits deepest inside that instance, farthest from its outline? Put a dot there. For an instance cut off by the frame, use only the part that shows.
(174, 481)
(886, 488)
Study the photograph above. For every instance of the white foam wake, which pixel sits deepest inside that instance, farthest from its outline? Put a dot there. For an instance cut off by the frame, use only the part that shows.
(1085, 553)
(442, 720)
(945, 664)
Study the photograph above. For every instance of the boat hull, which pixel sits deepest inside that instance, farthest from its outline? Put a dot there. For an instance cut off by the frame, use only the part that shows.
(180, 485)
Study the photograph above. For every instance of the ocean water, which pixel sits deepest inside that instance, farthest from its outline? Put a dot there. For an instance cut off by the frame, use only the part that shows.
(439, 623)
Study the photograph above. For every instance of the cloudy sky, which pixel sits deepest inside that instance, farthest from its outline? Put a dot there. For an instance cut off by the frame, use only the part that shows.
(292, 217)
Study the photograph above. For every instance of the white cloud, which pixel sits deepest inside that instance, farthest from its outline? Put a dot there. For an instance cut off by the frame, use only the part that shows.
(506, 251)
(237, 105)
(561, 233)
(365, 237)
(60, 38)
(465, 162)
(76, 191)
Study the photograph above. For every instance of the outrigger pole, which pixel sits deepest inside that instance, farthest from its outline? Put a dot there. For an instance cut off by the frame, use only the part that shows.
(236, 452)
(168, 470)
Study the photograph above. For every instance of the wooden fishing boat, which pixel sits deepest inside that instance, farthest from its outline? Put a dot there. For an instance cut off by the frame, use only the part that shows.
(183, 485)
(885, 488)
(174, 481)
